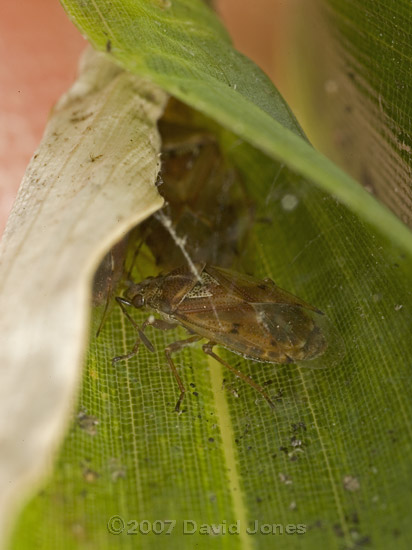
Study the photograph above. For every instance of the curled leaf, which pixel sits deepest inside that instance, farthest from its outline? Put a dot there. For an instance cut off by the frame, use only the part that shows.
(91, 179)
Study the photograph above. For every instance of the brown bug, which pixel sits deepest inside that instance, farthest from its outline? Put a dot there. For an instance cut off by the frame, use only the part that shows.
(205, 196)
(251, 317)
(206, 205)
(107, 277)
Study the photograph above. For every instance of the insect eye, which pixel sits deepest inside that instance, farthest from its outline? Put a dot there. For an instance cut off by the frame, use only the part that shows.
(138, 301)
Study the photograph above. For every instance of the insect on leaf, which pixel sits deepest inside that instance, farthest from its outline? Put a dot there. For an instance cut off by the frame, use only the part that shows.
(330, 465)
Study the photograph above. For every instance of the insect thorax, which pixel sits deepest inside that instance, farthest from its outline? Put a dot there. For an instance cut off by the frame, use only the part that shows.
(204, 288)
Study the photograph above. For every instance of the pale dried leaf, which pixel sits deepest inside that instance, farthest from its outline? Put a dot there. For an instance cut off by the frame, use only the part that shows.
(90, 181)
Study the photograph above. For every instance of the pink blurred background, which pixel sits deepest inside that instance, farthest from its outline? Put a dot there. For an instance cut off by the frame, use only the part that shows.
(39, 51)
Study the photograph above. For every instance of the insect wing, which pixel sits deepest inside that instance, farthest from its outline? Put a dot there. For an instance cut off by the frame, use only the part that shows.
(311, 337)
(294, 328)
(236, 328)
(254, 290)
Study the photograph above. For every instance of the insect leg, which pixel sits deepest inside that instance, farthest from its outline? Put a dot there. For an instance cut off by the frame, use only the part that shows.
(159, 324)
(156, 323)
(127, 355)
(208, 349)
(141, 336)
(172, 348)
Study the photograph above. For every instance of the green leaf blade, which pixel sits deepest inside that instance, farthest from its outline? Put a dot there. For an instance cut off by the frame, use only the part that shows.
(201, 69)
(328, 457)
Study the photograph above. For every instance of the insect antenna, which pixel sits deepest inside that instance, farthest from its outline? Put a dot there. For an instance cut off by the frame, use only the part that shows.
(117, 257)
(143, 238)
(208, 349)
(105, 311)
(141, 335)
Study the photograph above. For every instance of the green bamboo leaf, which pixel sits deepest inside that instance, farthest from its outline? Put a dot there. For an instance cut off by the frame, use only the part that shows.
(329, 459)
(329, 467)
(182, 47)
